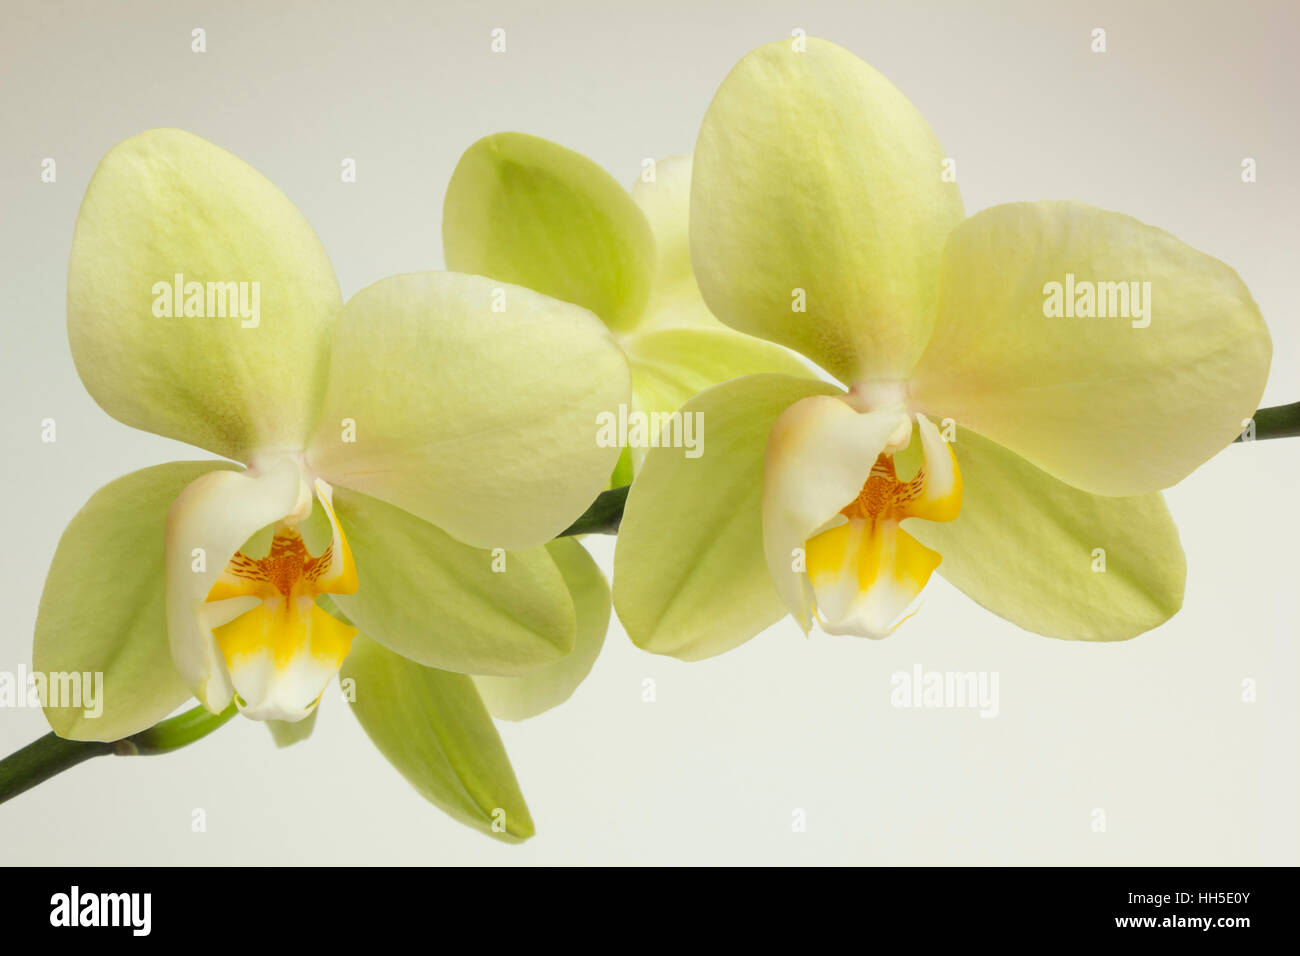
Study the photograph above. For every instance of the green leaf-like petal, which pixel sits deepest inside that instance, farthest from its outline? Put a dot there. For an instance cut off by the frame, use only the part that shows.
(813, 173)
(525, 210)
(1119, 405)
(103, 608)
(690, 577)
(518, 698)
(670, 366)
(167, 203)
(287, 733)
(1024, 546)
(432, 726)
(435, 600)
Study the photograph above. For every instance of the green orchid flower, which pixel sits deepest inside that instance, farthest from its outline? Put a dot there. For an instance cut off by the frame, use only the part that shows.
(405, 459)
(985, 423)
(525, 210)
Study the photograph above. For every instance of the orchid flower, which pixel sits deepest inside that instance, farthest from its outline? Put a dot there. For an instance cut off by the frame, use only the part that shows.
(525, 210)
(984, 427)
(404, 460)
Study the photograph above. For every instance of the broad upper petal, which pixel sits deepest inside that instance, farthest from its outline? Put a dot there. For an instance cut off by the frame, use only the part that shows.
(472, 404)
(1116, 405)
(816, 180)
(247, 372)
(522, 209)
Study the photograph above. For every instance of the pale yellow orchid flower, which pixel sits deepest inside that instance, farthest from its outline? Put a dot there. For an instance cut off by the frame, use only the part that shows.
(406, 456)
(1018, 385)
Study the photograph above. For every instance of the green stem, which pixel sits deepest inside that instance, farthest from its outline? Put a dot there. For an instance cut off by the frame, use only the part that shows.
(1280, 421)
(604, 515)
(50, 755)
(42, 759)
(175, 732)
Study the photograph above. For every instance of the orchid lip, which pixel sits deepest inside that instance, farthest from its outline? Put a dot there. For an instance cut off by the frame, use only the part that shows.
(866, 573)
(246, 627)
(284, 647)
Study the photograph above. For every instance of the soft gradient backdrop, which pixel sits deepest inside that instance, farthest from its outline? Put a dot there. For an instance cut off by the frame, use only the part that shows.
(1153, 731)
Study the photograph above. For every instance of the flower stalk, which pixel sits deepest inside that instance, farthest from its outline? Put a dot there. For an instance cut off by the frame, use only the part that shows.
(1279, 421)
(51, 755)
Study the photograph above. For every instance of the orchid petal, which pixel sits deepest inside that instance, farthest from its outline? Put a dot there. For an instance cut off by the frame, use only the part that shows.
(524, 210)
(167, 209)
(518, 698)
(819, 210)
(427, 596)
(1053, 559)
(675, 299)
(690, 576)
(471, 404)
(432, 727)
(103, 608)
(285, 733)
(670, 366)
(1116, 405)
